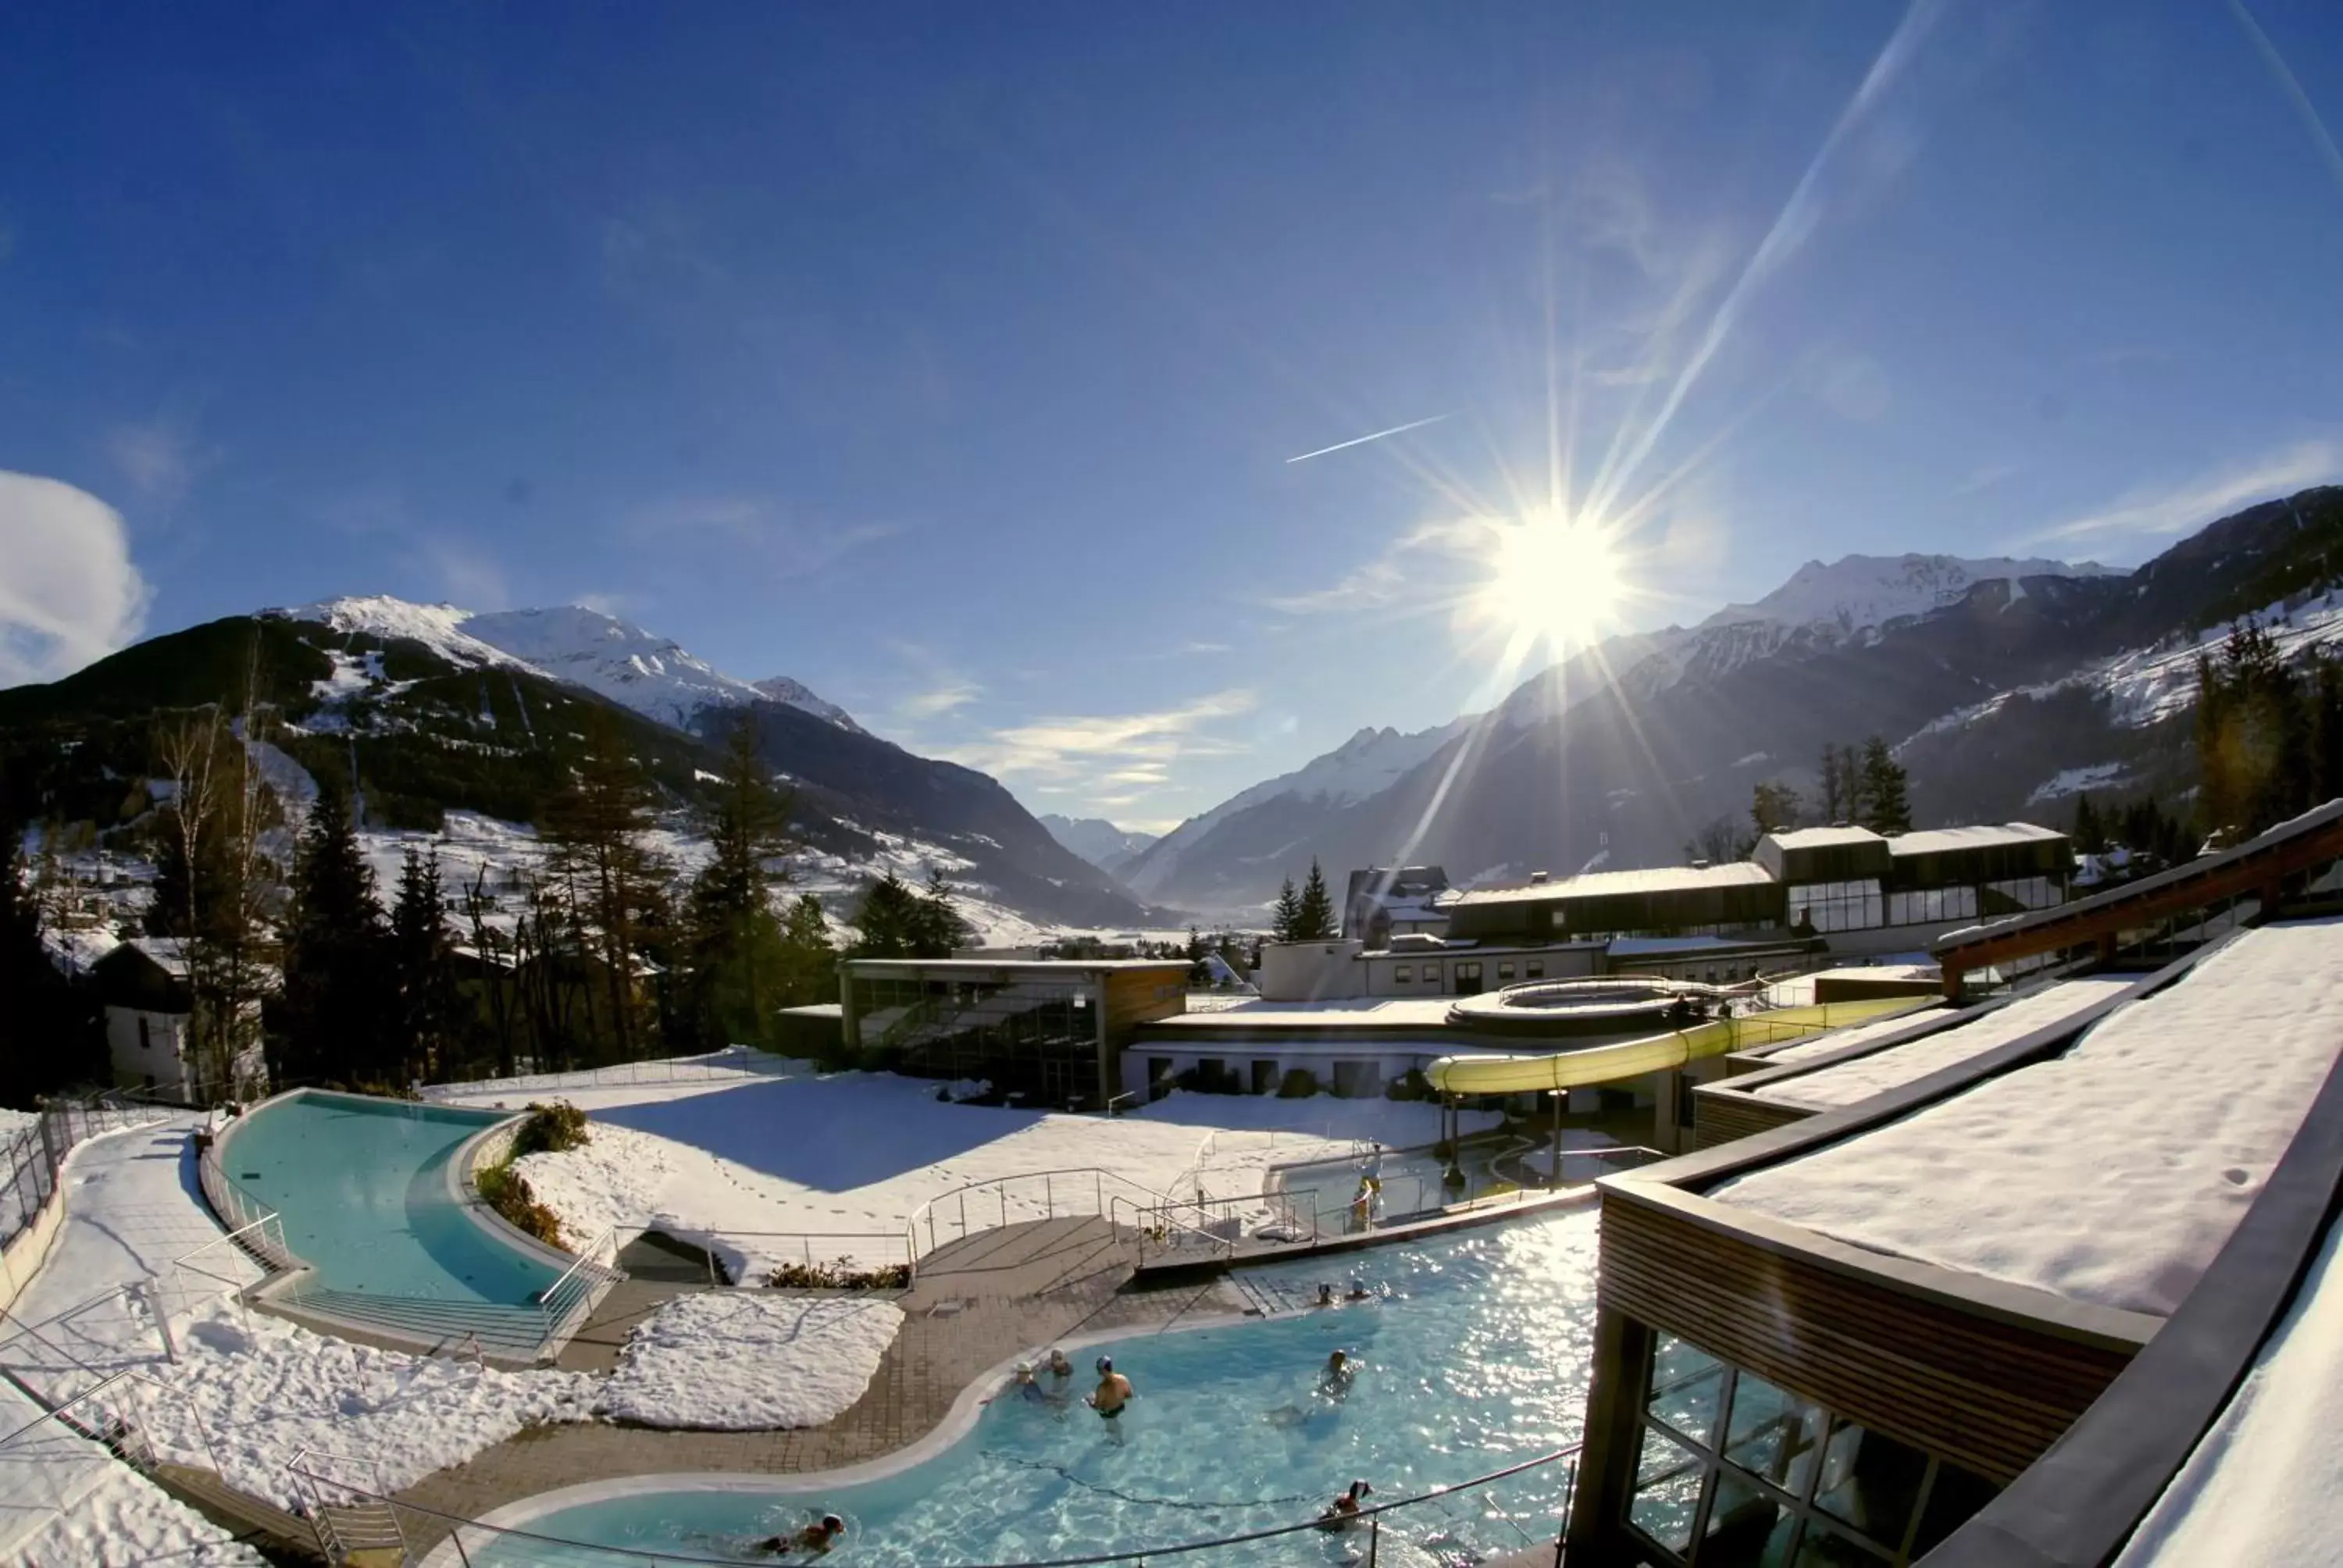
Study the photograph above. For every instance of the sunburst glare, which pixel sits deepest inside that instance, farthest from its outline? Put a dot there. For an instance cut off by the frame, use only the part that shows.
(1554, 579)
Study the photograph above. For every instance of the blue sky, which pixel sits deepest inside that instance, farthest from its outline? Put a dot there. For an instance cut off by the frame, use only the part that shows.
(949, 360)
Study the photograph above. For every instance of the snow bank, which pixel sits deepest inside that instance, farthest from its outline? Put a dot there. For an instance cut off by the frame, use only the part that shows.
(264, 1390)
(2113, 1174)
(2264, 1487)
(748, 1168)
(747, 1361)
(1901, 1064)
(125, 1521)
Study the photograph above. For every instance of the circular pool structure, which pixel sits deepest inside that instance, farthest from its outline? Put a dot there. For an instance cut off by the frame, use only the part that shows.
(1565, 1009)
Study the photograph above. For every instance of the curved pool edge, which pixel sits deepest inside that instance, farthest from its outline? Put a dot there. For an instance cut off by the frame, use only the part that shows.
(463, 1187)
(958, 1423)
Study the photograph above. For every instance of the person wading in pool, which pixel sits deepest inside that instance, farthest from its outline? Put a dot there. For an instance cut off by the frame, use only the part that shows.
(1113, 1391)
(1334, 1380)
(815, 1540)
(1343, 1511)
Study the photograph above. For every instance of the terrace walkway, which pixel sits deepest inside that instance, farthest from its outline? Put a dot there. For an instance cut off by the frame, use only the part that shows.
(978, 1302)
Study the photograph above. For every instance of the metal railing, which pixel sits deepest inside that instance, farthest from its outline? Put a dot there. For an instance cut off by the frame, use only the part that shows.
(32, 1156)
(1077, 1190)
(573, 1294)
(348, 1517)
(1368, 1526)
(734, 1063)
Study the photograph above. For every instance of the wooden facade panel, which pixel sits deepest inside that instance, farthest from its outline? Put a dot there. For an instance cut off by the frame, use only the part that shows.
(1722, 1118)
(1988, 1395)
(1137, 997)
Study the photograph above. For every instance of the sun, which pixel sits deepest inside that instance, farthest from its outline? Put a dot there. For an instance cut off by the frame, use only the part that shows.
(1554, 578)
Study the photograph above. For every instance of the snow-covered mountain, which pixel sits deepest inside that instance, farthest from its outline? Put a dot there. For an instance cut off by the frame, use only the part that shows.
(1362, 767)
(653, 675)
(1855, 596)
(1097, 841)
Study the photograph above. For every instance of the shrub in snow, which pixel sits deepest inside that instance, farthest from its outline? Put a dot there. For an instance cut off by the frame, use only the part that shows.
(508, 1194)
(840, 1274)
(551, 1130)
(1299, 1083)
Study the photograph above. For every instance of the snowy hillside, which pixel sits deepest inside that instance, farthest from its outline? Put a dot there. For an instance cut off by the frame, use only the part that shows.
(1857, 595)
(650, 674)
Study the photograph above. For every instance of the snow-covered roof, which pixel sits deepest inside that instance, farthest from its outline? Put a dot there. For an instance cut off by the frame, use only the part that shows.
(2113, 1173)
(1895, 1065)
(168, 954)
(1822, 838)
(1605, 884)
(74, 949)
(1984, 835)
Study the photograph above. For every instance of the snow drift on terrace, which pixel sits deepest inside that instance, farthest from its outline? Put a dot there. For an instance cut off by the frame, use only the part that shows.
(2114, 1173)
(746, 1361)
(2264, 1487)
(750, 1168)
(1900, 1064)
(125, 1521)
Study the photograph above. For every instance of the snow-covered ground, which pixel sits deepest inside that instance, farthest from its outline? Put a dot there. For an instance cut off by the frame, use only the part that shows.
(2115, 1172)
(247, 1390)
(122, 1520)
(1900, 1064)
(745, 1361)
(753, 1164)
(2264, 1487)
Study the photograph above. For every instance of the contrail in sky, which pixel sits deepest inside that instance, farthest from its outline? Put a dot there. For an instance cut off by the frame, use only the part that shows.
(1363, 440)
(2286, 77)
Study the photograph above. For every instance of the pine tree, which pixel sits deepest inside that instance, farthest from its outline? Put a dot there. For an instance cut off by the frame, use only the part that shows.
(809, 966)
(937, 928)
(1773, 808)
(427, 1013)
(611, 881)
(1285, 915)
(886, 922)
(2090, 836)
(734, 940)
(335, 998)
(1200, 973)
(1886, 805)
(1314, 913)
(1836, 806)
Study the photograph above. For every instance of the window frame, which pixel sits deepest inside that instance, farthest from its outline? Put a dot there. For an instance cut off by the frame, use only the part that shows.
(1803, 1506)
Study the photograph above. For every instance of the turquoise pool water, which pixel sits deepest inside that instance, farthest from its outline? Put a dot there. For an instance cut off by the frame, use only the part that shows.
(1475, 1351)
(362, 1187)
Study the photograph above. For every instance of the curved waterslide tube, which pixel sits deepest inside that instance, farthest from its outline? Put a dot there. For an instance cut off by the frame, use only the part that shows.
(1633, 1057)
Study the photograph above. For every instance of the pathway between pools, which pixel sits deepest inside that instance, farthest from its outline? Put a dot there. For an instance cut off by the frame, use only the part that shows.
(978, 1302)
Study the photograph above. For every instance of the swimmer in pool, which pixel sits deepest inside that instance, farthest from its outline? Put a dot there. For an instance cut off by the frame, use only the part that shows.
(815, 1540)
(1032, 1392)
(1113, 1393)
(1325, 1294)
(1335, 1379)
(1341, 1513)
(1359, 1291)
(1062, 1370)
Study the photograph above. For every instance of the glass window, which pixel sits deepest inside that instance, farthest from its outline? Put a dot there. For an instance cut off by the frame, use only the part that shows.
(1534, 972)
(1402, 973)
(1828, 1548)
(1432, 974)
(1952, 1496)
(1667, 1491)
(1748, 1527)
(1505, 971)
(1870, 1481)
(1772, 1434)
(1685, 1383)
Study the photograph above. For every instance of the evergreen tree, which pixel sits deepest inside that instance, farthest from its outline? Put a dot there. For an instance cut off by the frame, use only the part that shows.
(1285, 915)
(1773, 808)
(1838, 805)
(609, 881)
(427, 1014)
(1200, 973)
(1314, 911)
(335, 1000)
(1886, 805)
(52, 1035)
(2089, 835)
(734, 940)
(809, 966)
(937, 928)
(886, 923)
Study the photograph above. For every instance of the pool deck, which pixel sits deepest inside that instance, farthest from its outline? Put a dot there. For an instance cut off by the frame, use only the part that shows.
(1015, 1288)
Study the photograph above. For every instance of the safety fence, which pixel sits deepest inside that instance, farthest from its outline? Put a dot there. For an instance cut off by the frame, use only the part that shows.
(1518, 1509)
(33, 1153)
(729, 1065)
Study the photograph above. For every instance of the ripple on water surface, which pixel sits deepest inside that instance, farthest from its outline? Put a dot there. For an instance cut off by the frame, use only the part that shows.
(1475, 1354)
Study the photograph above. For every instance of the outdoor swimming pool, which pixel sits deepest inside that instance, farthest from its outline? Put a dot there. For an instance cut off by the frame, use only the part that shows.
(363, 1188)
(1475, 1352)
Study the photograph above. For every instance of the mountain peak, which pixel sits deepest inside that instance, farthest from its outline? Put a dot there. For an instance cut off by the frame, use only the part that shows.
(797, 694)
(1858, 593)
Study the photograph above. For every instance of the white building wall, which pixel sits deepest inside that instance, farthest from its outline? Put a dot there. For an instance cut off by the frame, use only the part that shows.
(161, 1060)
(1309, 972)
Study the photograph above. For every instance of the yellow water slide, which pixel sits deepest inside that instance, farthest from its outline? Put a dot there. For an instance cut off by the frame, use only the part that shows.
(1633, 1057)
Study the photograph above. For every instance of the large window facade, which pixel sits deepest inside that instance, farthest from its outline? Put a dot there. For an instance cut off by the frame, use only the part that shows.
(1837, 906)
(1932, 906)
(1732, 1472)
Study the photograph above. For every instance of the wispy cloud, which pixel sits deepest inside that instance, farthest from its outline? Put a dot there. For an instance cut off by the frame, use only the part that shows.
(757, 527)
(2208, 496)
(1203, 647)
(1120, 749)
(937, 701)
(160, 458)
(1985, 478)
(1389, 576)
(468, 574)
(71, 593)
